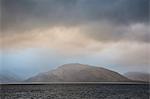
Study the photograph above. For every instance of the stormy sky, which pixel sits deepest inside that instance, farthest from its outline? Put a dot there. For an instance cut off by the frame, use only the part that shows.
(38, 35)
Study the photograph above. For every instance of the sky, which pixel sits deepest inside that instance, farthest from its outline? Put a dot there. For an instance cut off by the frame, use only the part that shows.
(40, 35)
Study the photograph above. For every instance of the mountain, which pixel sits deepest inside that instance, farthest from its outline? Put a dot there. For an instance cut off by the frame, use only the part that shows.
(138, 76)
(8, 78)
(78, 73)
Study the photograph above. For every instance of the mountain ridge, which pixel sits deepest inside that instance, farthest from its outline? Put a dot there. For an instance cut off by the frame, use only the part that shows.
(6, 78)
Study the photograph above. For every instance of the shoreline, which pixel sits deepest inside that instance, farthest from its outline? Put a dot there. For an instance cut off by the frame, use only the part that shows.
(51, 83)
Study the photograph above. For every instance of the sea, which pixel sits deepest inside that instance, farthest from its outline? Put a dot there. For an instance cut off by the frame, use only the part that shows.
(75, 91)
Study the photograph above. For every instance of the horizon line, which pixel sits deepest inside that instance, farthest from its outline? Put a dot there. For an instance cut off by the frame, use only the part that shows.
(44, 83)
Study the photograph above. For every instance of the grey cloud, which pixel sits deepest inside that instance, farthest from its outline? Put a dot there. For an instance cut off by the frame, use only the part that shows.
(118, 11)
(26, 14)
(108, 32)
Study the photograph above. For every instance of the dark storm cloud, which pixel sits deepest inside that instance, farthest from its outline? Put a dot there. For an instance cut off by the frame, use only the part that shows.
(25, 14)
(119, 11)
(35, 13)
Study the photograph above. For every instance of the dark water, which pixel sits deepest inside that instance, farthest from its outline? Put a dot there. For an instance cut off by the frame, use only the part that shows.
(75, 91)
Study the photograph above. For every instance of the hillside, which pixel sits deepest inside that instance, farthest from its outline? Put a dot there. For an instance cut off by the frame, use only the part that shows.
(78, 73)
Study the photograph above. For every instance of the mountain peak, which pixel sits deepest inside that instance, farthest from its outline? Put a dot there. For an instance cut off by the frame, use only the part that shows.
(73, 65)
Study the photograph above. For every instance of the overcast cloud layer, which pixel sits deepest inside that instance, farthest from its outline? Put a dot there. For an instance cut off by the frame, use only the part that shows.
(97, 29)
